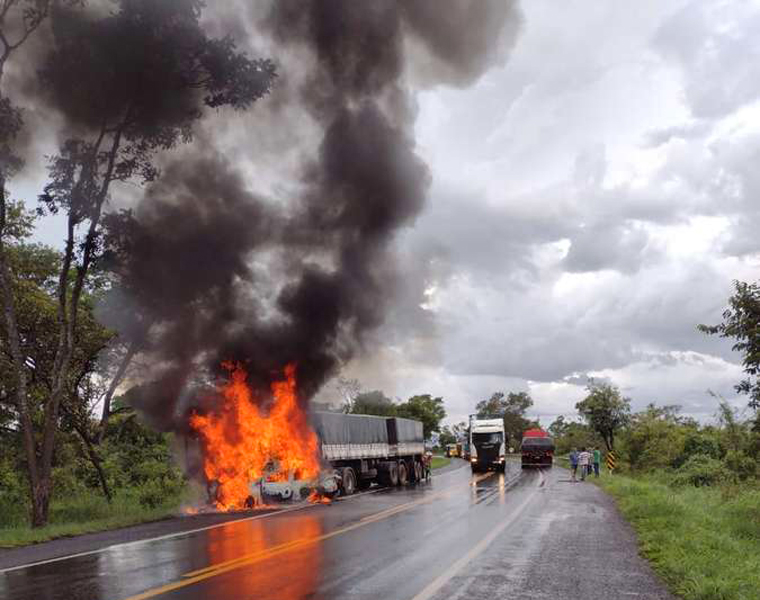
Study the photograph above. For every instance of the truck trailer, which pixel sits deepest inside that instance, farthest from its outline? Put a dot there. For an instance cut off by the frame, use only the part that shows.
(365, 449)
(487, 445)
(537, 449)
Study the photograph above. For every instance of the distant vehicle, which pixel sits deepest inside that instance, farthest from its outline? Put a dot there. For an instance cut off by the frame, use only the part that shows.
(362, 450)
(452, 450)
(537, 449)
(487, 444)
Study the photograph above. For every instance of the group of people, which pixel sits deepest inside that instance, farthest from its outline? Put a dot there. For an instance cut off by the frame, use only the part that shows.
(588, 461)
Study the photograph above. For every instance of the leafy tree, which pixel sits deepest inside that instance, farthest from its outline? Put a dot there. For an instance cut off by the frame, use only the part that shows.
(373, 403)
(741, 321)
(424, 408)
(605, 410)
(135, 81)
(559, 427)
(655, 438)
(512, 408)
(446, 437)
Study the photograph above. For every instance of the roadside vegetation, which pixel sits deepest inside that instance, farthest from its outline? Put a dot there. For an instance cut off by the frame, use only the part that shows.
(692, 493)
(439, 462)
(690, 489)
(137, 470)
(704, 541)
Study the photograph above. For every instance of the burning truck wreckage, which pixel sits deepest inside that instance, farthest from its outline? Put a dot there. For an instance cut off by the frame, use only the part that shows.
(254, 457)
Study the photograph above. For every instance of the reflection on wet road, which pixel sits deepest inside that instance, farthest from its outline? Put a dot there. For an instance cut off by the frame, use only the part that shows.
(385, 544)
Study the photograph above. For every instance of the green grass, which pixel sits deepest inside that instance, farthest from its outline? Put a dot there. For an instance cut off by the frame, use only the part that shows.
(704, 542)
(439, 461)
(87, 514)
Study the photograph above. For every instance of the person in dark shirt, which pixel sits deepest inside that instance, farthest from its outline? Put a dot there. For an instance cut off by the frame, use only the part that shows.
(574, 463)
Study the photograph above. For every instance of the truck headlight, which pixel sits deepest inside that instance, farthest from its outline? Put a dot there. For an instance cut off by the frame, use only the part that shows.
(473, 459)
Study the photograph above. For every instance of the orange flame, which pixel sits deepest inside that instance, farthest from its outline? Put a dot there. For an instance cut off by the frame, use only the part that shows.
(241, 444)
(316, 498)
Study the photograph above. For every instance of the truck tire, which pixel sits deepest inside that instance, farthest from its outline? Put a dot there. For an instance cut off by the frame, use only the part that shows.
(474, 468)
(417, 470)
(411, 474)
(393, 474)
(389, 475)
(403, 473)
(348, 486)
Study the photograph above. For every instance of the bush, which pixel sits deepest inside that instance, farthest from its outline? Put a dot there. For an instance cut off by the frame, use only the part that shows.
(743, 466)
(699, 443)
(700, 470)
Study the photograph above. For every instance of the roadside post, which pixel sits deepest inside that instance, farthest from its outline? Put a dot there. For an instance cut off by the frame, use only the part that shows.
(611, 461)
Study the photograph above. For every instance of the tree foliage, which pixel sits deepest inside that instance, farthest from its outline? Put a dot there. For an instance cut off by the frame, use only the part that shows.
(741, 321)
(605, 410)
(512, 408)
(422, 407)
(425, 408)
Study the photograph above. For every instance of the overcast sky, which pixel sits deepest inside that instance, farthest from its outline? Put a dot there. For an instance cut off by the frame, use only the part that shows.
(592, 200)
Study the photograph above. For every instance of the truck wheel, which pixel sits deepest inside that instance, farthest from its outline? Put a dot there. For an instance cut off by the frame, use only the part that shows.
(349, 481)
(411, 474)
(393, 474)
(403, 474)
(474, 468)
(417, 470)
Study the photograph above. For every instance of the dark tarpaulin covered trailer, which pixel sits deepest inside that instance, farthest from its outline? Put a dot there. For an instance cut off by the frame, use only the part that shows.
(343, 429)
(404, 430)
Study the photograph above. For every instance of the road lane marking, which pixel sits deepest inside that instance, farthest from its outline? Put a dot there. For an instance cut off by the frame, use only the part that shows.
(435, 586)
(221, 568)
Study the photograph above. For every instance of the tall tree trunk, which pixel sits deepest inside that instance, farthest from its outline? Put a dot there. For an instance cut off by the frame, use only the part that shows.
(115, 382)
(32, 17)
(38, 492)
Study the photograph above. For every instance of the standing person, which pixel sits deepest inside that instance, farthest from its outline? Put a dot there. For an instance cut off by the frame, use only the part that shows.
(574, 463)
(584, 459)
(597, 460)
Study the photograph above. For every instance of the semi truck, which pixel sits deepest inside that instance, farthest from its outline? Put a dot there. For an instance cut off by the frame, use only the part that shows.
(360, 450)
(487, 445)
(537, 449)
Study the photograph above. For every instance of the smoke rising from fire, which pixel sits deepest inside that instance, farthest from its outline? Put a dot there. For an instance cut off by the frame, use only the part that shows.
(213, 270)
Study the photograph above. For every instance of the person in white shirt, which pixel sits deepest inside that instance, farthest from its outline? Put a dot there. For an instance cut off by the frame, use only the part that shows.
(584, 460)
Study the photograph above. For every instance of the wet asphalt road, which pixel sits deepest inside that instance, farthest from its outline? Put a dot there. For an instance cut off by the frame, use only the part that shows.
(520, 535)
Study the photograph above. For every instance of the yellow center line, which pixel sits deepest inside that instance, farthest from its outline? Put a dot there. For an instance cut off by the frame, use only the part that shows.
(267, 552)
(220, 568)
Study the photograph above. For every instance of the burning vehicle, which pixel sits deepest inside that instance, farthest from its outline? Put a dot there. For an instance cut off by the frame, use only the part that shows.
(252, 456)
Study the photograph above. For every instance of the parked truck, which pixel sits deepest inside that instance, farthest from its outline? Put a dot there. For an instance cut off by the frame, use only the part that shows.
(487, 445)
(365, 449)
(537, 449)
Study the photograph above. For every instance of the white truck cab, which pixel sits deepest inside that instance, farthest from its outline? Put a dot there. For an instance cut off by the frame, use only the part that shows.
(487, 444)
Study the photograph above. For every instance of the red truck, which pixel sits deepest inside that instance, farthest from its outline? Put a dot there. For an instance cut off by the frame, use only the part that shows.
(537, 449)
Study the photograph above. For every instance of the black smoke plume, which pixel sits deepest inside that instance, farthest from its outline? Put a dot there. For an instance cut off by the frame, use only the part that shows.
(210, 271)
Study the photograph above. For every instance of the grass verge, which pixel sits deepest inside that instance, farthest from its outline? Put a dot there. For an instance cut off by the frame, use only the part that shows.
(704, 542)
(439, 461)
(87, 515)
